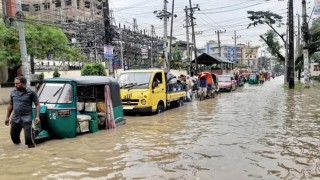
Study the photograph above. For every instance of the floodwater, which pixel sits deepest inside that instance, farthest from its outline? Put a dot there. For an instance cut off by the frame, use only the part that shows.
(256, 132)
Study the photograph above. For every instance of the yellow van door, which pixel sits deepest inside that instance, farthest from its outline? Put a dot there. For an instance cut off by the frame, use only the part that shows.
(158, 92)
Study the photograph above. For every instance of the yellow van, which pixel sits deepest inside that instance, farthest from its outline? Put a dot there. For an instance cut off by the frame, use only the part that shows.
(148, 91)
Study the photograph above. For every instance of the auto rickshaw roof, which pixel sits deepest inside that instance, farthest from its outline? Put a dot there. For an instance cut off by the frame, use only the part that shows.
(143, 70)
(85, 80)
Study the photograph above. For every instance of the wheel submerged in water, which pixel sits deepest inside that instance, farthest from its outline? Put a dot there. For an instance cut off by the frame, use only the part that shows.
(160, 109)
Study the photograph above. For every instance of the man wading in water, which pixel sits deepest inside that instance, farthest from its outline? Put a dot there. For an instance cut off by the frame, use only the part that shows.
(21, 104)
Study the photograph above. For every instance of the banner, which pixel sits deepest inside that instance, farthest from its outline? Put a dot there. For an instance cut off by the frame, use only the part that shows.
(116, 63)
(108, 51)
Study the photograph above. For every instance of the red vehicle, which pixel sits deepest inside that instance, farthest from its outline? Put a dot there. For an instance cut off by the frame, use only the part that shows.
(227, 83)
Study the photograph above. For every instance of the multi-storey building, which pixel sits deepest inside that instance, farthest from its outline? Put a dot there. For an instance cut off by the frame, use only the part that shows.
(242, 54)
(250, 56)
(63, 10)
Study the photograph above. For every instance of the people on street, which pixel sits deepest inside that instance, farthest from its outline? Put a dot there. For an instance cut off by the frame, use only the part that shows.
(20, 105)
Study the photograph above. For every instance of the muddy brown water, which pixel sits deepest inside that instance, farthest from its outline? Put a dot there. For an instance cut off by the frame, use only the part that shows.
(256, 132)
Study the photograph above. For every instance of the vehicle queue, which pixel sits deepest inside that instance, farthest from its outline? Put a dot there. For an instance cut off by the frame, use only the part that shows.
(72, 106)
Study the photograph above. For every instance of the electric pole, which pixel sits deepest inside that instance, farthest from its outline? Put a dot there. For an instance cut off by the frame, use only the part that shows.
(193, 34)
(151, 52)
(164, 14)
(106, 20)
(291, 47)
(235, 46)
(187, 34)
(22, 42)
(305, 31)
(219, 43)
(170, 45)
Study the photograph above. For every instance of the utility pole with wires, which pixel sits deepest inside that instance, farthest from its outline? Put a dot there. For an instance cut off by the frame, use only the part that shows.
(22, 41)
(193, 33)
(305, 32)
(218, 32)
(291, 47)
(187, 34)
(153, 34)
(171, 29)
(235, 46)
(164, 14)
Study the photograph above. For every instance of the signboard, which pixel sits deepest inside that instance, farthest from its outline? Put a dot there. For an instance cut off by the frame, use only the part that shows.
(108, 51)
(116, 63)
(317, 7)
(144, 53)
(126, 67)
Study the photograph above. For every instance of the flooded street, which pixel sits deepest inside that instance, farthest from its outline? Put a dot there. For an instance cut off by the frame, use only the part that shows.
(256, 132)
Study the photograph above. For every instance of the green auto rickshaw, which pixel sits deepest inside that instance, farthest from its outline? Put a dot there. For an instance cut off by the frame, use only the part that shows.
(74, 105)
(253, 79)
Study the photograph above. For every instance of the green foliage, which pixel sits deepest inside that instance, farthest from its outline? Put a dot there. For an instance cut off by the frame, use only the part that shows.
(317, 78)
(268, 18)
(241, 65)
(94, 69)
(177, 56)
(41, 40)
(41, 76)
(297, 86)
(56, 73)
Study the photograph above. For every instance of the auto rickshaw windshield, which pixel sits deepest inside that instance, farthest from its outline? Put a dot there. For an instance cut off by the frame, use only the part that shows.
(56, 93)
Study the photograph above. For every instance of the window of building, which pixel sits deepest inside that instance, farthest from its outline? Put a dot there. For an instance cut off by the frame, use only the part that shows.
(46, 6)
(36, 7)
(316, 68)
(58, 4)
(87, 5)
(25, 7)
(78, 4)
(68, 2)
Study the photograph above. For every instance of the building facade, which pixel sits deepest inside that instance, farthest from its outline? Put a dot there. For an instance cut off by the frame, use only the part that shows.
(63, 10)
(242, 54)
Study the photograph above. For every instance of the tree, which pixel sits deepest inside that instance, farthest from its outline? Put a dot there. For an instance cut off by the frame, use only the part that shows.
(94, 69)
(274, 46)
(56, 73)
(272, 20)
(40, 40)
(268, 18)
(177, 55)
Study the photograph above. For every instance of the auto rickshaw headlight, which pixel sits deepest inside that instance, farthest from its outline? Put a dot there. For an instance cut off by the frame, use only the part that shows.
(143, 102)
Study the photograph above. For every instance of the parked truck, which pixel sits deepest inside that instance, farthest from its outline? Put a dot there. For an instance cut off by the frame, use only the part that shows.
(150, 91)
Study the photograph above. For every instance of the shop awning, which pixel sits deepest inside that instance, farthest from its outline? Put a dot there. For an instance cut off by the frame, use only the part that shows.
(211, 59)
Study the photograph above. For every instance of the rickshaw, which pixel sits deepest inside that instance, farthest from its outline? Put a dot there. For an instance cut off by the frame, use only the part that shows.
(253, 79)
(75, 105)
(206, 87)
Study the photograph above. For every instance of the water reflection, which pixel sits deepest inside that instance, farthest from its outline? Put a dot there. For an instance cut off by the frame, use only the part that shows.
(257, 132)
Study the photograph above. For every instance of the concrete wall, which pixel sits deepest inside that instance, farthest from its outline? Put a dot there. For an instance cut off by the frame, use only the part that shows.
(5, 95)
(49, 74)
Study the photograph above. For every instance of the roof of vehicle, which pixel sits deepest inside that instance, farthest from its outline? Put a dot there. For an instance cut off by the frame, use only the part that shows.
(85, 80)
(143, 70)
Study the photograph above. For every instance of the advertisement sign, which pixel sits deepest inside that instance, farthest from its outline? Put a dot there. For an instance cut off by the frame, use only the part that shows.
(116, 63)
(108, 51)
(144, 53)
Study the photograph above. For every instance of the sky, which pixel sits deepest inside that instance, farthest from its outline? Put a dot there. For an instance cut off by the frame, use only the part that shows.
(228, 15)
